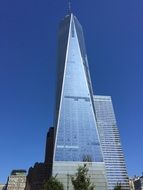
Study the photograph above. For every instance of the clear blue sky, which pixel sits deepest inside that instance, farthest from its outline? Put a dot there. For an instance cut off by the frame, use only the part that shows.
(113, 31)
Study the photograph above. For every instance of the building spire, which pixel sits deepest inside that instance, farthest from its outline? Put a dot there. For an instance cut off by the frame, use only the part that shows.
(69, 6)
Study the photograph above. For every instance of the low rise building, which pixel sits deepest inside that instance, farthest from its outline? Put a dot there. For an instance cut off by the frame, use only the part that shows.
(2, 186)
(17, 180)
(37, 176)
(136, 183)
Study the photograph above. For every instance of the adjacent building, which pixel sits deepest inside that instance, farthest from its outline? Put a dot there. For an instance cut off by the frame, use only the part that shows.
(37, 176)
(111, 144)
(17, 180)
(136, 183)
(2, 186)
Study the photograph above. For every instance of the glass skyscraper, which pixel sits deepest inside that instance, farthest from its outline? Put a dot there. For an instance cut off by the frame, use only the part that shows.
(79, 133)
(111, 144)
(75, 109)
(76, 135)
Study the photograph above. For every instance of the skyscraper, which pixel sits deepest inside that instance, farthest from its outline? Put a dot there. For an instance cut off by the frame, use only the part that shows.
(76, 134)
(85, 129)
(111, 144)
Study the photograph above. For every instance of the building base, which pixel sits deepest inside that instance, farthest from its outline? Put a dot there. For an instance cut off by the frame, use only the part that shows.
(65, 170)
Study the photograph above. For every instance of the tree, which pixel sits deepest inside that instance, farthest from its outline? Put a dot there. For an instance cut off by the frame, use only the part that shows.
(53, 184)
(117, 187)
(87, 158)
(81, 181)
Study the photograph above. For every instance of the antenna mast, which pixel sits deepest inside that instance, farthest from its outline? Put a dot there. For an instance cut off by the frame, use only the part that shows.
(69, 6)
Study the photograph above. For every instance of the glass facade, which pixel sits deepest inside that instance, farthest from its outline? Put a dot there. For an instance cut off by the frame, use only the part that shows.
(76, 135)
(110, 141)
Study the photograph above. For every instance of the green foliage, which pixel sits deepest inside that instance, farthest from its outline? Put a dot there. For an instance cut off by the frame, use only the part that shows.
(117, 187)
(53, 184)
(81, 181)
